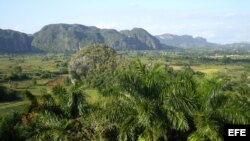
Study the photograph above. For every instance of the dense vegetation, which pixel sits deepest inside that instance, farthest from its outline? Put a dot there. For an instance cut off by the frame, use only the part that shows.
(8, 94)
(116, 96)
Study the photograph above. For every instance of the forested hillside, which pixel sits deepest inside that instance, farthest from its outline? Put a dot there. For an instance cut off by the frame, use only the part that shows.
(66, 37)
(14, 42)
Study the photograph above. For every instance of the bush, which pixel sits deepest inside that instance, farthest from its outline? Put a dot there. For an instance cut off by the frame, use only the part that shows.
(8, 131)
(17, 76)
(46, 74)
(59, 90)
(67, 81)
(63, 70)
(8, 94)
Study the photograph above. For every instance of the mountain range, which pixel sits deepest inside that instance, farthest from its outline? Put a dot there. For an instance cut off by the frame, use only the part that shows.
(184, 41)
(72, 37)
(61, 38)
(14, 42)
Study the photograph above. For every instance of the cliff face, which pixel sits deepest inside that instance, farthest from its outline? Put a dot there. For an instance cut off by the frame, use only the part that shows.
(14, 42)
(67, 37)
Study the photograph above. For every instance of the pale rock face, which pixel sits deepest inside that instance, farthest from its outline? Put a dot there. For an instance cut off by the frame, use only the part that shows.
(80, 65)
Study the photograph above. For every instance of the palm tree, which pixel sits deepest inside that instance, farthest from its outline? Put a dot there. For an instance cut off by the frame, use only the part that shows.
(149, 106)
(217, 108)
(60, 116)
(8, 125)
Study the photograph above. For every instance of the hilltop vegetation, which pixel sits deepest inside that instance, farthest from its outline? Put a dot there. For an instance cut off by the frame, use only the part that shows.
(94, 65)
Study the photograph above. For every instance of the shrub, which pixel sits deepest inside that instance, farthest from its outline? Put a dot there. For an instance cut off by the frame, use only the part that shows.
(8, 94)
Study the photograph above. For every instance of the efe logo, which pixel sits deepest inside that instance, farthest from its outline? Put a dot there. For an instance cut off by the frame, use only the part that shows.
(236, 132)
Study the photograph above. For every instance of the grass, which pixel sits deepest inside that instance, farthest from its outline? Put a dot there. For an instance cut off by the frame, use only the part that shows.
(232, 70)
(31, 62)
(43, 82)
(37, 90)
(11, 107)
(92, 95)
(27, 85)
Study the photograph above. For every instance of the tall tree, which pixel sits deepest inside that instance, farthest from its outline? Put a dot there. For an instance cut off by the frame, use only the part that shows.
(59, 116)
(216, 108)
(148, 105)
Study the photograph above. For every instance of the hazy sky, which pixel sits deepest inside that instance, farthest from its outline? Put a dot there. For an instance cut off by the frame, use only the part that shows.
(221, 21)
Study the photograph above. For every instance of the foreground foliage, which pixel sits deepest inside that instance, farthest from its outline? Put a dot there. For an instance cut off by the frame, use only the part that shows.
(138, 101)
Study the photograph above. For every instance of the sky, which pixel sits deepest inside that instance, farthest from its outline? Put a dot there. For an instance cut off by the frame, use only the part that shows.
(219, 21)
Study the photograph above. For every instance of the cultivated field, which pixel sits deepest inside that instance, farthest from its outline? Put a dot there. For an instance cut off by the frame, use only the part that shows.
(45, 71)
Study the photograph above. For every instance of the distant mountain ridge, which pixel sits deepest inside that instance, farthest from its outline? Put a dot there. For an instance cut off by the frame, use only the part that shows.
(71, 37)
(62, 38)
(237, 45)
(190, 42)
(145, 38)
(14, 42)
(184, 41)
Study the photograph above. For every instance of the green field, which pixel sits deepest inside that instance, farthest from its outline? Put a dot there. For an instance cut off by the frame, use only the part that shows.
(10, 107)
(30, 64)
(34, 63)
